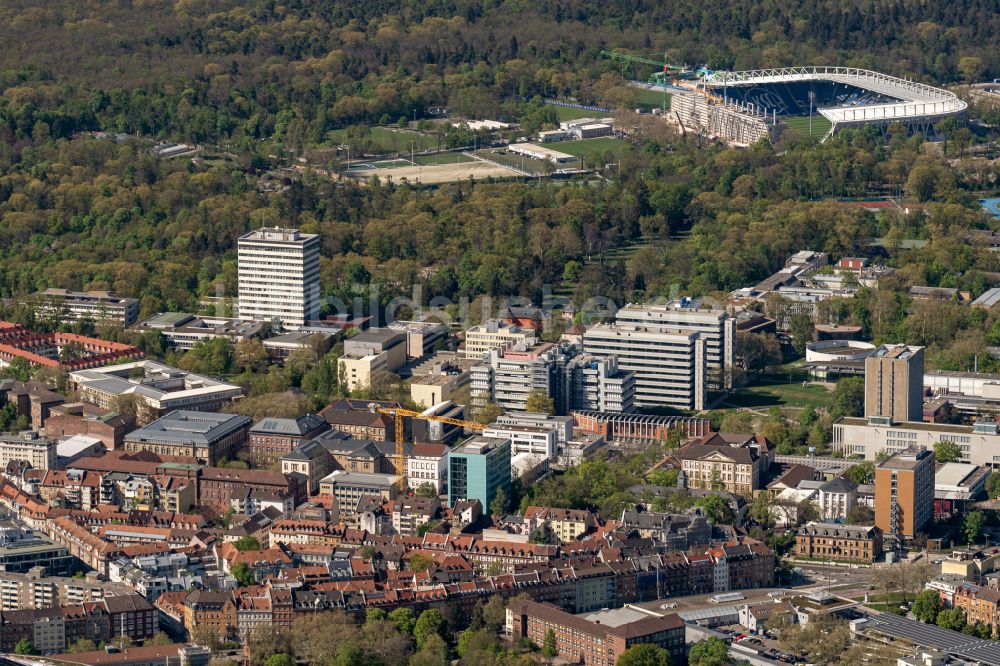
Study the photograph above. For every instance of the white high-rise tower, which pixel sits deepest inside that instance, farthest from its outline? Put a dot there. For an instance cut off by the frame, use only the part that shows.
(279, 276)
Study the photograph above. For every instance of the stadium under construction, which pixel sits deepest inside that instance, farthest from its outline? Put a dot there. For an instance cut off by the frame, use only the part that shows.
(740, 108)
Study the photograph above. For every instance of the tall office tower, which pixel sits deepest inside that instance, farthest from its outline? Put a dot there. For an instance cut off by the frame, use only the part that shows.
(279, 276)
(669, 365)
(904, 493)
(894, 384)
(716, 327)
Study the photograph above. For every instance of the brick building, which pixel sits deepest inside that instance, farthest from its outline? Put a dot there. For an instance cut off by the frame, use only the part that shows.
(272, 438)
(82, 418)
(592, 642)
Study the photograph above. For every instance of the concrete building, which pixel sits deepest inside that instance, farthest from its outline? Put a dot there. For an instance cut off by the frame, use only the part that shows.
(477, 468)
(894, 384)
(98, 306)
(421, 336)
(349, 487)
(21, 550)
(183, 331)
(595, 383)
(40, 451)
(840, 543)
(904, 493)
(281, 346)
(670, 365)
(158, 388)
(492, 335)
(508, 375)
(716, 327)
(979, 443)
(369, 352)
(37, 589)
(279, 276)
(209, 437)
(431, 389)
(536, 440)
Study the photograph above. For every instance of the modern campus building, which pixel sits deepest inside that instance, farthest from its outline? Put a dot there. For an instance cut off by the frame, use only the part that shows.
(183, 331)
(371, 351)
(595, 383)
(894, 384)
(508, 375)
(904, 493)
(716, 327)
(492, 335)
(669, 364)
(477, 468)
(157, 387)
(279, 276)
(98, 306)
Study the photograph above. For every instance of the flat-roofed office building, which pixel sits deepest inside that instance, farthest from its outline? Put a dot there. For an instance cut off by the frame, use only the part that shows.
(279, 276)
(669, 364)
(717, 329)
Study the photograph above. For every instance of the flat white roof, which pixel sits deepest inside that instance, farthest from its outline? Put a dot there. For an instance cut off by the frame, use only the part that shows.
(541, 152)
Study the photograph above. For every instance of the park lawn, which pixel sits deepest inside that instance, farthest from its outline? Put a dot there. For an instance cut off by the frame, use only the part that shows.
(587, 148)
(650, 99)
(442, 158)
(800, 125)
(777, 391)
(564, 113)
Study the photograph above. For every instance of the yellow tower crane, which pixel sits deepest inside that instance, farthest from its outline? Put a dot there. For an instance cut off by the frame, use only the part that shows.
(398, 414)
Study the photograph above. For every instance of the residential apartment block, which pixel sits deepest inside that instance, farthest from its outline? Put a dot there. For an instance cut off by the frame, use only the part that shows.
(279, 276)
(669, 364)
(37, 589)
(904, 493)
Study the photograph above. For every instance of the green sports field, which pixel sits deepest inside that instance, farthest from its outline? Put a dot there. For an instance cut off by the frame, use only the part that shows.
(564, 113)
(650, 99)
(800, 125)
(442, 158)
(587, 148)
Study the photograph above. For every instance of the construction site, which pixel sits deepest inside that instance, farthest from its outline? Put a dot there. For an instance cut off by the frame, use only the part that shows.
(740, 108)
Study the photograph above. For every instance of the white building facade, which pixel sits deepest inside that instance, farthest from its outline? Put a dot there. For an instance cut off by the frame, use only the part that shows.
(279, 276)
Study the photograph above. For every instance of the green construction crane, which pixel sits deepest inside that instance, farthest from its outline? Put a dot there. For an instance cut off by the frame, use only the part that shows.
(661, 77)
